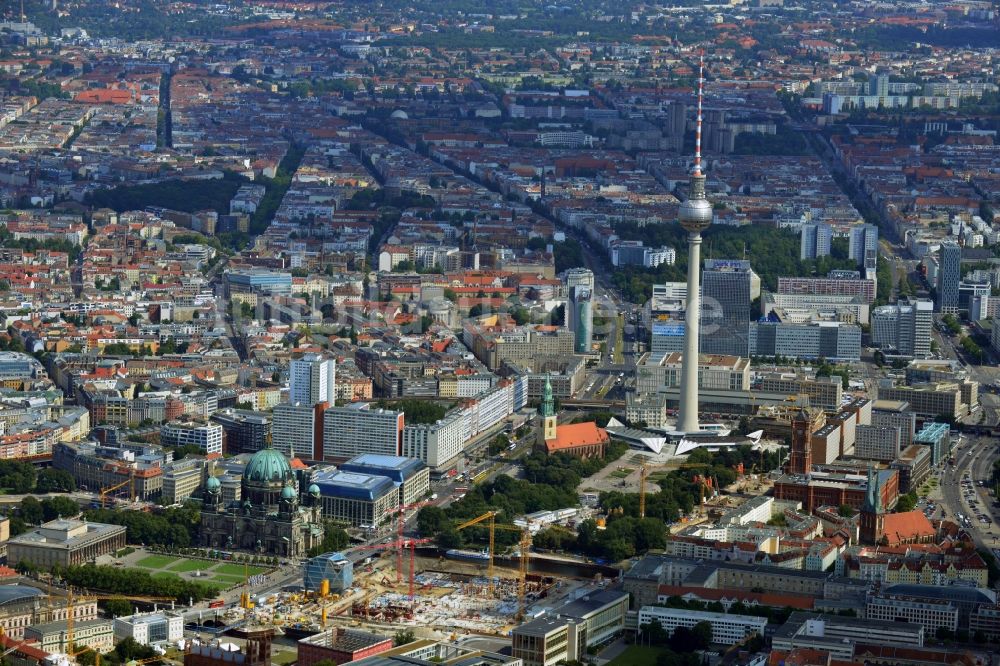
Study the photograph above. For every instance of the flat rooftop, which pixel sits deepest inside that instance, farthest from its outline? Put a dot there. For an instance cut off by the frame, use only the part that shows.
(346, 640)
(356, 485)
(66, 534)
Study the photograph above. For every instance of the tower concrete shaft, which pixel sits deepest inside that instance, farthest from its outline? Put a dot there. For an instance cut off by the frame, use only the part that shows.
(694, 215)
(687, 419)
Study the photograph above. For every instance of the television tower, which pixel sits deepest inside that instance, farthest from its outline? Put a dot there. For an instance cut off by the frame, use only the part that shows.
(695, 215)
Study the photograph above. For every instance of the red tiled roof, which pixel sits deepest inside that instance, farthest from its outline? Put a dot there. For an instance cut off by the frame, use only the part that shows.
(573, 435)
(104, 96)
(762, 598)
(907, 526)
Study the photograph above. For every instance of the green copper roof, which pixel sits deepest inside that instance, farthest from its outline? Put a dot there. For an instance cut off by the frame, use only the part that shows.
(267, 466)
(548, 404)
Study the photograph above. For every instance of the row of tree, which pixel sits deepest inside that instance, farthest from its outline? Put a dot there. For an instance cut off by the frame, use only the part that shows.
(417, 411)
(31, 512)
(188, 196)
(174, 526)
(335, 539)
(21, 477)
(130, 581)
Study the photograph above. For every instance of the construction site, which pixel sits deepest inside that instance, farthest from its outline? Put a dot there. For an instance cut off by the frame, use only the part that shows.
(407, 582)
(433, 602)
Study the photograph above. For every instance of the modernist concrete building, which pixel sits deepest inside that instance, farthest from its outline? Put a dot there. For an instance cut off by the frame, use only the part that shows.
(568, 632)
(436, 443)
(297, 430)
(313, 379)
(150, 628)
(931, 615)
(727, 629)
(896, 413)
(181, 480)
(245, 432)
(661, 372)
(903, 329)
(874, 442)
(914, 466)
(364, 500)
(411, 476)
(357, 428)
(206, 436)
(838, 635)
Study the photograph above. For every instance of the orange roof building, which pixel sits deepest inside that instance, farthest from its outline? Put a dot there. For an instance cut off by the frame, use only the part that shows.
(583, 440)
(907, 527)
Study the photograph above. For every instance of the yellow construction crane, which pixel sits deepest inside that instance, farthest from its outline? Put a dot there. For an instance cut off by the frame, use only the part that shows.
(130, 482)
(524, 545)
(491, 517)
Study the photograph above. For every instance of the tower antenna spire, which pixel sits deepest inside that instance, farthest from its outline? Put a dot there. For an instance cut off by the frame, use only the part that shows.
(695, 216)
(697, 129)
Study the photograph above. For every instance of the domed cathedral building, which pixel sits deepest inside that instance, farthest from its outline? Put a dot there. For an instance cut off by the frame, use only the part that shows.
(267, 518)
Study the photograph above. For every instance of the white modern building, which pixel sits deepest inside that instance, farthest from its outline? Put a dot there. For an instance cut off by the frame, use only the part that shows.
(293, 429)
(873, 442)
(150, 628)
(207, 436)
(357, 428)
(903, 329)
(436, 443)
(838, 635)
(727, 629)
(930, 615)
(660, 372)
(815, 240)
(312, 379)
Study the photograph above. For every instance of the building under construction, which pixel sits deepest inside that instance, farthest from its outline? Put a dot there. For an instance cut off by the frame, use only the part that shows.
(256, 651)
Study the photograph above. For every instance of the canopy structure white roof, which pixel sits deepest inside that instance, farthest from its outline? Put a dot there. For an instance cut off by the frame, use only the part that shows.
(645, 439)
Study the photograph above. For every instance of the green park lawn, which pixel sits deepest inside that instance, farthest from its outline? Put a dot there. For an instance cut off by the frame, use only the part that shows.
(164, 575)
(237, 570)
(157, 561)
(637, 655)
(184, 566)
(223, 574)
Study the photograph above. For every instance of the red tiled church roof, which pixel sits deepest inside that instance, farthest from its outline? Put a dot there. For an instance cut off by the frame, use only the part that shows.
(572, 435)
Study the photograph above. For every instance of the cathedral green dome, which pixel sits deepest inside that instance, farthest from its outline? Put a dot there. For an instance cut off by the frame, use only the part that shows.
(314, 490)
(213, 485)
(288, 493)
(267, 466)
